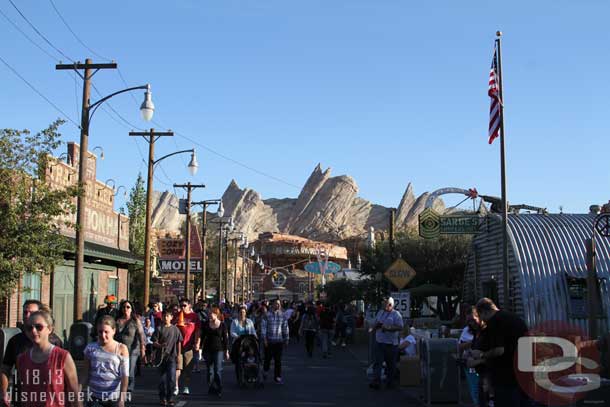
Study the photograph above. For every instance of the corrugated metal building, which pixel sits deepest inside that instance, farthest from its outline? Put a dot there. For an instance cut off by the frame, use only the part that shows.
(548, 267)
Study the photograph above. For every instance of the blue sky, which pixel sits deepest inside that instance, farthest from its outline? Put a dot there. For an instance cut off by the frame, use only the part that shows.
(389, 92)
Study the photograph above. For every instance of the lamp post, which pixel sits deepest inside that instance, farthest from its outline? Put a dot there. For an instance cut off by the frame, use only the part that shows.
(204, 226)
(224, 224)
(238, 238)
(88, 110)
(151, 137)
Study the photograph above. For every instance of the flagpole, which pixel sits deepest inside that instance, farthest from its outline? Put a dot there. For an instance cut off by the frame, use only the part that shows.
(505, 269)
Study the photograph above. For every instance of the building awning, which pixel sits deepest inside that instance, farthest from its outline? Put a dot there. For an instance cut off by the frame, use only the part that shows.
(112, 254)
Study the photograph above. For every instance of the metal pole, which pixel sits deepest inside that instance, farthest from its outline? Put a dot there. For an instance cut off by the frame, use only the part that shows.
(234, 274)
(226, 282)
(203, 250)
(219, 260)
(243, 274)
(187, 271)
(82, 197)
(505, 270)
(592, 289)
(392, 237)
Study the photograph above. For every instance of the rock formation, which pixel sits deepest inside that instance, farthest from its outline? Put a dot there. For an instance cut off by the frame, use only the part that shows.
(327, 209)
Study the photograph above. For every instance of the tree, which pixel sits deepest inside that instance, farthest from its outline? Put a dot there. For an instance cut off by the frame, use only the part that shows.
(136, 209)
(341, 292)
(437, 261)
(31, 211)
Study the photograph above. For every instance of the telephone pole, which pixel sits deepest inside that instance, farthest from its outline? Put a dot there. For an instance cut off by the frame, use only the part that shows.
(187, 273)
(90, 69)
(204, 226)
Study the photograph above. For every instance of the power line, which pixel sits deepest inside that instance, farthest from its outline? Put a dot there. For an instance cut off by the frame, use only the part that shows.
(28, 37)
(38, 32)
(39, 93)
(74, 34)
(264, 174)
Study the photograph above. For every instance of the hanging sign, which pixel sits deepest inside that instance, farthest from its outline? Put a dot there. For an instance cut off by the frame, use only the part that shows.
(316, 268)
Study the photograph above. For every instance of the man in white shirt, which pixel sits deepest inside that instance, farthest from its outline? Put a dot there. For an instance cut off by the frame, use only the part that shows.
(388, 324)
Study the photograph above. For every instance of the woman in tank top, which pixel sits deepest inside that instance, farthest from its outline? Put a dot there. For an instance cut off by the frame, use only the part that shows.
(46, 374)
(107, 367)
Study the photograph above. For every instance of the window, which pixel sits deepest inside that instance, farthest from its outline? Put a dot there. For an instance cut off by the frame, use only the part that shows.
(578, 297)
(31, 285)
(113, 286)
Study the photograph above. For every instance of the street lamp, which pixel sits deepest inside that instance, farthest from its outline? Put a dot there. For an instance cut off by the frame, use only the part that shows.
(204, 226)
(224, 225)
(88, 110)
(151, 137)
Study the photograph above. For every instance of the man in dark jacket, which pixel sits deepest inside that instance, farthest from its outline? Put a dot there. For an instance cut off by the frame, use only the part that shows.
(503, 332)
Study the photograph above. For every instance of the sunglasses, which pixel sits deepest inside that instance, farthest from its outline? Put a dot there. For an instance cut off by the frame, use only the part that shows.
(127, 306)
(184, 305)
(38, 327)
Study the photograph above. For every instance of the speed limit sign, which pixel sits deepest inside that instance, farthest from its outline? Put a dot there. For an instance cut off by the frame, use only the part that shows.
(402, 302)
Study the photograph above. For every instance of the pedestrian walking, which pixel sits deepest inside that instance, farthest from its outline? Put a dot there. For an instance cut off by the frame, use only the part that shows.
(46, 373)
(109, 308)
(148, 333)
(503, 332)
(215, 344)
(240, 326)
(327, 323)
(167, 340)
(130, 332)
(388, 324)
(275, 334)
(189, 325)
(309, 328)
(106, 370)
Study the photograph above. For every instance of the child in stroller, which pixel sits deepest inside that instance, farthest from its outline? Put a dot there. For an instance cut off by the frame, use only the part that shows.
(247, 360)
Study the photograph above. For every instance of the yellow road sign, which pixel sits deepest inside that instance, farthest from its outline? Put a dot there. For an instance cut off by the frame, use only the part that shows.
(400, 273)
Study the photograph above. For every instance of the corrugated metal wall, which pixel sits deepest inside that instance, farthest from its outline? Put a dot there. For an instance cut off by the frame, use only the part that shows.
(543, 251)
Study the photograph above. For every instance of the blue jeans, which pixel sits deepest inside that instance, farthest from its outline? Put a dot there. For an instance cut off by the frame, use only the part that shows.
(133, 363)
(387, 353)
(324, 339)
(167, 371)
(214, 364)
(473, 384)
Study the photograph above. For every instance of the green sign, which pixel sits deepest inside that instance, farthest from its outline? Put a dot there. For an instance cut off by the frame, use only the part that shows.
(431, 224)
(459, 225)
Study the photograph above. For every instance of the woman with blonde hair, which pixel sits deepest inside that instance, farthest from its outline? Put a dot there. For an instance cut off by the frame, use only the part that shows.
(107, 367)
(46, 373)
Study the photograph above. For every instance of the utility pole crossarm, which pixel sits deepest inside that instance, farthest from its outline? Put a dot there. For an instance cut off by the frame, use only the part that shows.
(87, 65)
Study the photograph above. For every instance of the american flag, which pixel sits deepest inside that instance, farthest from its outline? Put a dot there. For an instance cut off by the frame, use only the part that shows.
(494, 94)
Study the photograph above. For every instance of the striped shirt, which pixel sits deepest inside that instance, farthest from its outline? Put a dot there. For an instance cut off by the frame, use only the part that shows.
(106, 370)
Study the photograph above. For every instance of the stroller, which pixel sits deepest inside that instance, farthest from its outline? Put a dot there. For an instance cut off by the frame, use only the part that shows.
(247, 361)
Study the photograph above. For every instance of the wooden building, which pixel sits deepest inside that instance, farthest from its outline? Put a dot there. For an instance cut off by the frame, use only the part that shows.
(107, 255)
(284, 257)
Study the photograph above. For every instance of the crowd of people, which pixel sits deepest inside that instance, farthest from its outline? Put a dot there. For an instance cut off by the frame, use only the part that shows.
(487, 345)
(175, 338)
(179, 338)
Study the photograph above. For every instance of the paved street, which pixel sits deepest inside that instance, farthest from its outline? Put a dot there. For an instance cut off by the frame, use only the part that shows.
(339, 381)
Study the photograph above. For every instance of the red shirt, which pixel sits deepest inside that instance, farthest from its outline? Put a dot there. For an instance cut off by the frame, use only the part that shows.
(192, 324)
(42, 384)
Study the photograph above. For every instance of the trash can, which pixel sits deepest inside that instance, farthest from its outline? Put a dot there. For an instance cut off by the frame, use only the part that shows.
(440, 372)
(80, 336)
